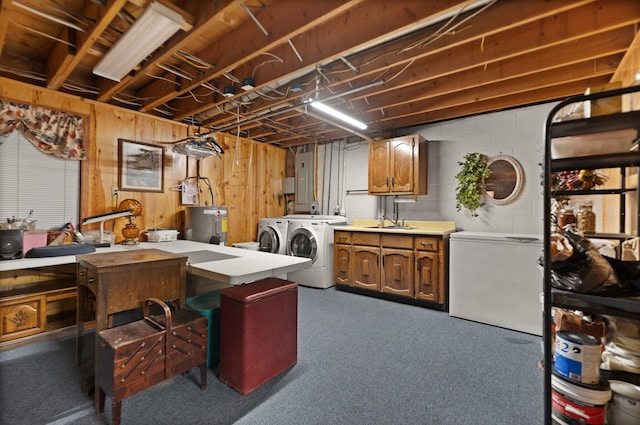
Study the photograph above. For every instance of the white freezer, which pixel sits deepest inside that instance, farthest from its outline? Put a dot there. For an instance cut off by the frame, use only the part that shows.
(494, 279)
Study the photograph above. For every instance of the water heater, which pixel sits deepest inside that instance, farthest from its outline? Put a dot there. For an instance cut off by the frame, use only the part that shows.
(206, 224)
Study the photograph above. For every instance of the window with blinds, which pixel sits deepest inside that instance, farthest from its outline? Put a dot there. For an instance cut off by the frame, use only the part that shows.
(32, 180)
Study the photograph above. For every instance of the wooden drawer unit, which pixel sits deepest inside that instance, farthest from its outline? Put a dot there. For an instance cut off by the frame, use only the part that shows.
(138, 355)
(342, 237)
(369, 239)
(427, 244)
(411, 266)
(342, 258)
(397, 241)
(22, 316)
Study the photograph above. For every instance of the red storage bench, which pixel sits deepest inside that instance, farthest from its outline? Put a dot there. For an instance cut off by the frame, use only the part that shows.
(258, 332)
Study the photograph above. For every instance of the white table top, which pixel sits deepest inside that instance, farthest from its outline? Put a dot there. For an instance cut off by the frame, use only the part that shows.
(245, 266)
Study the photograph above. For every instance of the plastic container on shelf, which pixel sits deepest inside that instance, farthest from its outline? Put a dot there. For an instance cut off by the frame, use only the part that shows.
(624, 408)
(579, 403)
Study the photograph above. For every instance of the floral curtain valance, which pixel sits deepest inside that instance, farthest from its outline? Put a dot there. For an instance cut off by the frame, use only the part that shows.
(51, 132)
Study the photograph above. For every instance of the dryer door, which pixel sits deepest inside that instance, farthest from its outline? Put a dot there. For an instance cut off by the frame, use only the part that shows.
(303, 243)
(268, 240)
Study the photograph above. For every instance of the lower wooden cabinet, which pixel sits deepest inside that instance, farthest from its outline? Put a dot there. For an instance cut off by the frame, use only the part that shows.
(24, 313)
(365, 262)
(410, 266)
(427, 272)
(397, 271)
(22, 316)
(365, 267)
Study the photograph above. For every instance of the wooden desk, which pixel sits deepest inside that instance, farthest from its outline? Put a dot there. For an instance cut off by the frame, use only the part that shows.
(122, 281)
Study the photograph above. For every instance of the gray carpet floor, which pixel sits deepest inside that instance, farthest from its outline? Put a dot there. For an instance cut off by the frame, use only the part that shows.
(360, 361)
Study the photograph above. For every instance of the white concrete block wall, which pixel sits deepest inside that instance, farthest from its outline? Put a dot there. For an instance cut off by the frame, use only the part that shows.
(518, 132)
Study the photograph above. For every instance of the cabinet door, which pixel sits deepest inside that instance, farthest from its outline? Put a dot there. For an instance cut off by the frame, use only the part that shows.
(366, 267)
(401, 166)
(397, 272)
(341, 264)
(22, 317)
(427, 276)
(379, 167)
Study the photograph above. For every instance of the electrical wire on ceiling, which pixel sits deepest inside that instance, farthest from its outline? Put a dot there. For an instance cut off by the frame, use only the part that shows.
(43, 34)
(447, 28)
(24, 73)
(277, 59)
(77, 88)
(176, 71)
(192, 60)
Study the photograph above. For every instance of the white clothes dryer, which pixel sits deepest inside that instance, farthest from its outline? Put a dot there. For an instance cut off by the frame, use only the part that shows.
(312, 237)
(272, 235)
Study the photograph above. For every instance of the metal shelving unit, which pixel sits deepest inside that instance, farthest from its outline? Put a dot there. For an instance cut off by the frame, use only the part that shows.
(589, 128)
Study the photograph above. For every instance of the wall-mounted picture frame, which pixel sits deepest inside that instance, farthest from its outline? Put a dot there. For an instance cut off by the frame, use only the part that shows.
(140, 166)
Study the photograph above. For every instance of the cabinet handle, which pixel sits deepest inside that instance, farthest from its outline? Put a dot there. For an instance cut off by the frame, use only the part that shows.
(429, 244)
(90, 280)
(81, 273)
(387, 181)
(393, 181)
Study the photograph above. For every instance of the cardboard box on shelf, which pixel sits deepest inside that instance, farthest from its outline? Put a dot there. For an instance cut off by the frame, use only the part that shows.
(568, 321)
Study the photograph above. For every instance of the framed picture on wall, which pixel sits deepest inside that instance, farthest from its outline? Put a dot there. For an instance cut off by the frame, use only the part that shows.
(140, 166)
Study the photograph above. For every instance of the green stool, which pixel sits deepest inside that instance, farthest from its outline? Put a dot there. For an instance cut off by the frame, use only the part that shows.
(208, 304)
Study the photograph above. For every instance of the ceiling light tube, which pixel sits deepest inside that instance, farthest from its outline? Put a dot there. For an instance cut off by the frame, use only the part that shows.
(332, 122)
(339, 115)
(147, 33)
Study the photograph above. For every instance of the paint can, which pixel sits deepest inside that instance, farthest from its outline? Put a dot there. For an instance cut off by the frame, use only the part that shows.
(573, 403)
(624, 408)
(577, 357)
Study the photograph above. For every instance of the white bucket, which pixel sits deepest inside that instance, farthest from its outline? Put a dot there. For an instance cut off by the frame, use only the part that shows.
(578, 403)
(624, 408)
(577, 357)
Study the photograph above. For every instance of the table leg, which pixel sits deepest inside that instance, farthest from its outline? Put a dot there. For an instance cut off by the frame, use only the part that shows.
(81, 298)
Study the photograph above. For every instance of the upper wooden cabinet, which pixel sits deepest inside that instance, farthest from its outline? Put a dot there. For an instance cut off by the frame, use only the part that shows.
(398, 166)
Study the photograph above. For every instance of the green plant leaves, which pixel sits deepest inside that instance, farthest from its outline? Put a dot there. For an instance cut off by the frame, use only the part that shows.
(470, 189)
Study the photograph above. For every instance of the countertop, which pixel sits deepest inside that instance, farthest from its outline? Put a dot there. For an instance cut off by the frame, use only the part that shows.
(438, 228)
(233, 266)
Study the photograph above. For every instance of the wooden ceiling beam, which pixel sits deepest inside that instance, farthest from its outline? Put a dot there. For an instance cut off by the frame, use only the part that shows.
(500, 47)
(5, 9)
(498, 89)
(64, 59)
(464, 60)
(499, 17)
(249, 42)
(610, 43)
(205, 13)
(534, 96)
(329, 39)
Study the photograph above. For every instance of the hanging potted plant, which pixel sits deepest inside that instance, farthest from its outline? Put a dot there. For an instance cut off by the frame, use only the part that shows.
(470, 189)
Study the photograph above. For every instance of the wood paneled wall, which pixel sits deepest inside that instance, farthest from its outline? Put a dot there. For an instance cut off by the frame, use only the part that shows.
(247, 179)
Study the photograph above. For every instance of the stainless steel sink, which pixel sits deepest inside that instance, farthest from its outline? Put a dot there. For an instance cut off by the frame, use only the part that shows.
(390, 227)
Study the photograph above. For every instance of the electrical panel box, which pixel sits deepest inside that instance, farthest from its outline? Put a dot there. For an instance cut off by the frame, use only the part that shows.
(289, 185)
(304, 181)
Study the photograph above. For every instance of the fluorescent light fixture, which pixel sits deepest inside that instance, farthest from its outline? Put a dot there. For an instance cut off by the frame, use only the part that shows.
(147, 33)
(339, 115)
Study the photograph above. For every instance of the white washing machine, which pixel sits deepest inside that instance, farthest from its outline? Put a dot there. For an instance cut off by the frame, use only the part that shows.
(312, 237)
(272, 235)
